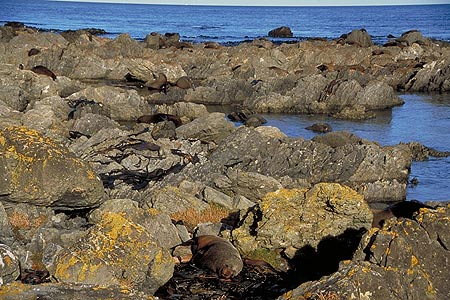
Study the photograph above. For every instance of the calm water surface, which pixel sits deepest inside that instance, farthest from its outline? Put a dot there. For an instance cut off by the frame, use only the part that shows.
(423, 118)
(229, 24)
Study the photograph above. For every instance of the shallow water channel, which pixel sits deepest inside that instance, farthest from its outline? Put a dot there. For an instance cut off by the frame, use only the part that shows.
(424, 118)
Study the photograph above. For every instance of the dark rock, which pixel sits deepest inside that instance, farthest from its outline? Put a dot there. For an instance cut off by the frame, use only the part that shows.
(15, 24)
(240, 115)
(320, 127)
(421, 152)
(358, 37)
(255, 121)
(281, 32)
(160, 117)
(413, 36)
(349, 162)
(164, 129)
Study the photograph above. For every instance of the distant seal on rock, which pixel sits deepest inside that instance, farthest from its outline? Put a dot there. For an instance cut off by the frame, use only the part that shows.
(156, 118)
(160, 83)
(404, 209)
(218, 255)
(33, 51)
(184, 82)
(320, 127)
(41, 70)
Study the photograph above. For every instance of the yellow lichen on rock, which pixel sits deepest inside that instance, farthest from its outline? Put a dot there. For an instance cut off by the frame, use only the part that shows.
(113, 250)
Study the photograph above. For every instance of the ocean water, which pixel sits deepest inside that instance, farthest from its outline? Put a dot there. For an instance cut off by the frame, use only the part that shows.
(229, 24)
(424, 118)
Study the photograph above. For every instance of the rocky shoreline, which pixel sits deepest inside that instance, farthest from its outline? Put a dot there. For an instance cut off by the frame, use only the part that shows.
(112, 162)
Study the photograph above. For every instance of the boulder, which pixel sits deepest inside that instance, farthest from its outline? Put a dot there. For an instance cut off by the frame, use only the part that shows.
(406, 258)
(281, 32)
(291, 220)
(359, 37)
(118, 104)
(213, 127)
(90, 123)
(116, 251)
(38, 171)
(157, 223)
(413, 36)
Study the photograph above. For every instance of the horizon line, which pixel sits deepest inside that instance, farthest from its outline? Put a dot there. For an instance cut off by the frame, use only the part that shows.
(248, 5)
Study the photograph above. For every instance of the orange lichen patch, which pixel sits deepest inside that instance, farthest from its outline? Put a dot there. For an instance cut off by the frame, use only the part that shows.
(327, 296)
(91, 175)
(193, 217)
(352, 272)
(414, 261)
(8, 260)
(19, 220)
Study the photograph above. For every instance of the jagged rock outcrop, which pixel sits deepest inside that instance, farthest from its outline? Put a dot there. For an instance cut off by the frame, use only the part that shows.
(393, 262)
(287, 221)
(380, 173)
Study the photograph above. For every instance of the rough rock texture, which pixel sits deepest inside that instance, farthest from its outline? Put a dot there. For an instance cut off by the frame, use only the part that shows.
(117, 251)
(40, 172)
(213, 127)
(379, 173)
(359, 37)
(9, 265)
(405, 259)
(290, 220)
(63, 291)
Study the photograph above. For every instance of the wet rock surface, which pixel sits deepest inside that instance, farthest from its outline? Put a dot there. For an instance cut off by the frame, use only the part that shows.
(114, 162)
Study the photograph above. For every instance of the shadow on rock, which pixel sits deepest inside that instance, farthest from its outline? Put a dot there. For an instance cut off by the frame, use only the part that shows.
(311, 264)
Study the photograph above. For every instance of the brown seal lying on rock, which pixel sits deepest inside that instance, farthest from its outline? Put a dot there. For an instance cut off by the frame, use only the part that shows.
(218, 255)
(41, 70)
(160, 83)
(184, 82)
(320, 127)
(404, 209)
(160, 117)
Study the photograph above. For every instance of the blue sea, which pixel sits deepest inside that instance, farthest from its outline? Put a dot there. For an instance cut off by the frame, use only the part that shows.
(424, 117)
(229, 24)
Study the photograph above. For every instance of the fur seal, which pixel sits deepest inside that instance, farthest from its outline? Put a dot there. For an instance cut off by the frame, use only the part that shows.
(184, 82)
(156, 118)
(33, 51)
(320, 127)
(160, 83)
(41, 70)
(218, 255)
(404, 209)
